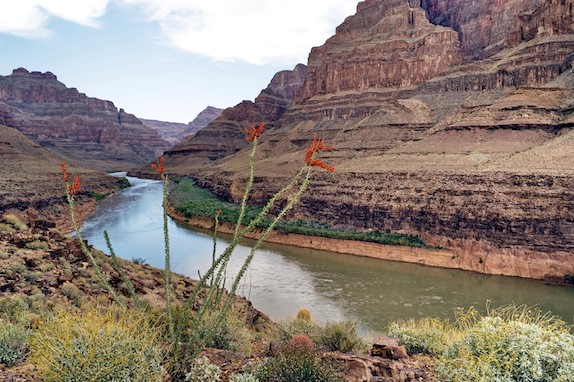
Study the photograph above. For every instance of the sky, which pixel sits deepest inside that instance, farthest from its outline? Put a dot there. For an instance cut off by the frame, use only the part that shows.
(165, 59)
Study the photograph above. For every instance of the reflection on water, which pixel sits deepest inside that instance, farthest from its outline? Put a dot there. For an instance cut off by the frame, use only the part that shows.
(283, 279)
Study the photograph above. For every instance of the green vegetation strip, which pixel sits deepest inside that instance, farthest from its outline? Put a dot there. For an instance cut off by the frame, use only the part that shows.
(191, 200)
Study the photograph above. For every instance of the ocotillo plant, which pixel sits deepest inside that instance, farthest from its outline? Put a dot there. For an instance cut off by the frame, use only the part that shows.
(198, 319)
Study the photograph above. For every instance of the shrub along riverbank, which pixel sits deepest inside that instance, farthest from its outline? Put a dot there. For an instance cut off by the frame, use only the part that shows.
(191, 200)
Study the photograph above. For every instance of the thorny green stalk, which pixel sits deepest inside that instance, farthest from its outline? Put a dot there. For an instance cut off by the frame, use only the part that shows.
(213, 297)
(283, 212)
(120, 270)
(247, 262)
(221, 272)
(231, 247)
(167, 268)
(87, 251)
(214, 253)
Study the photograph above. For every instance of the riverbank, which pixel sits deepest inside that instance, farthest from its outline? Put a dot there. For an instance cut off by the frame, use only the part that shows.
(546, 267)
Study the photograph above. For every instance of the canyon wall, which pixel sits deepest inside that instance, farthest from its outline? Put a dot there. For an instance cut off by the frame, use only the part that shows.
(81, 128)
(452, 120)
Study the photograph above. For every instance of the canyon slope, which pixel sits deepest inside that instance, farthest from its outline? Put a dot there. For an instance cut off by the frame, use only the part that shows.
(78, 127)
(174, 132)
(452, 120)
(31, 183)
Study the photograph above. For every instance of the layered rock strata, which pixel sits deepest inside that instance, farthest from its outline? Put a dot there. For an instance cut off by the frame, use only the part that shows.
(452, 120)
(73, 124)
(31, 181)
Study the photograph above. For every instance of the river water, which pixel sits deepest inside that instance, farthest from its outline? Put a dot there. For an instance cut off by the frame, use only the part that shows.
(283, 279)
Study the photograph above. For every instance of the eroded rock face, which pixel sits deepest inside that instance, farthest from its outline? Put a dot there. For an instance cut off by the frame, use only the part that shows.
(452, 120)
(387, 44)
(87, 129)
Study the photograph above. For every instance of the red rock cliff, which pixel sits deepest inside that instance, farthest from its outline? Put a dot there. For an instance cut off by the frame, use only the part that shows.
(452, 120)
(90, 130)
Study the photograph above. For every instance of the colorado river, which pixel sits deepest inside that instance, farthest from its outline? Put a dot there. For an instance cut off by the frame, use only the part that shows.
(283, 279)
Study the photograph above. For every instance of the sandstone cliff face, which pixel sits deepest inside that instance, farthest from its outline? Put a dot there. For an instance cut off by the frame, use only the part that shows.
(452, 120)
(77, 126)
(385, 45)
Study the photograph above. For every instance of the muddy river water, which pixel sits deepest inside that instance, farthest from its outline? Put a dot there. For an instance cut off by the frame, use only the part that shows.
(283, 279)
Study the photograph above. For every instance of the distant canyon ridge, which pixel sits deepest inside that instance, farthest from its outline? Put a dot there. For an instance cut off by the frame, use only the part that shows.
(452, 120)
(44, 123)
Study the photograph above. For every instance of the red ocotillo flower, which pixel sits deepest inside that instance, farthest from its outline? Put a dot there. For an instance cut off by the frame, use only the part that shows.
(253, 131)
(159, 168)
(65, 172)
(316, 146)
(73, 188)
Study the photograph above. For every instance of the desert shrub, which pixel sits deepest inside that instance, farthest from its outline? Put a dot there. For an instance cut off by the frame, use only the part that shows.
(231, 334)
(15, 222)
(37, 244)
(340, 336)
(428, 335)
(72, 292)
(96, 344)
(298, 361)
(301, 326)
(46, 267)
(12, 342)
(139, 260)
(6, 227)
(3, 255)
(245, 377)
(203, 371)
(510, 345)
(16, 268)
(303, 314)
(13, 309)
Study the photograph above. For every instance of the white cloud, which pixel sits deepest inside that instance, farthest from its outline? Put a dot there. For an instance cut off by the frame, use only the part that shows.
(255, 31)
(27, 18)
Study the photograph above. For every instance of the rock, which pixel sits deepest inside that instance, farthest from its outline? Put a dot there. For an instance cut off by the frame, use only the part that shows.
(208, 115)
(364, 368)
(388, 347)
(451, 121)
(90, 130)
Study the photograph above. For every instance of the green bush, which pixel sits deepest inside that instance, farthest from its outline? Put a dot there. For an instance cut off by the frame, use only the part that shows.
(428, 335)
(6, 228)
(245, 377)
(203, 371)
(15, 222)
(96, 344)
(231, 335)
(38, 244)
(300, 326)
(13, 309)
(509, 344)
(12, 343)
(340, 336)
(298, 361)
(511, 351)
(72, 292)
